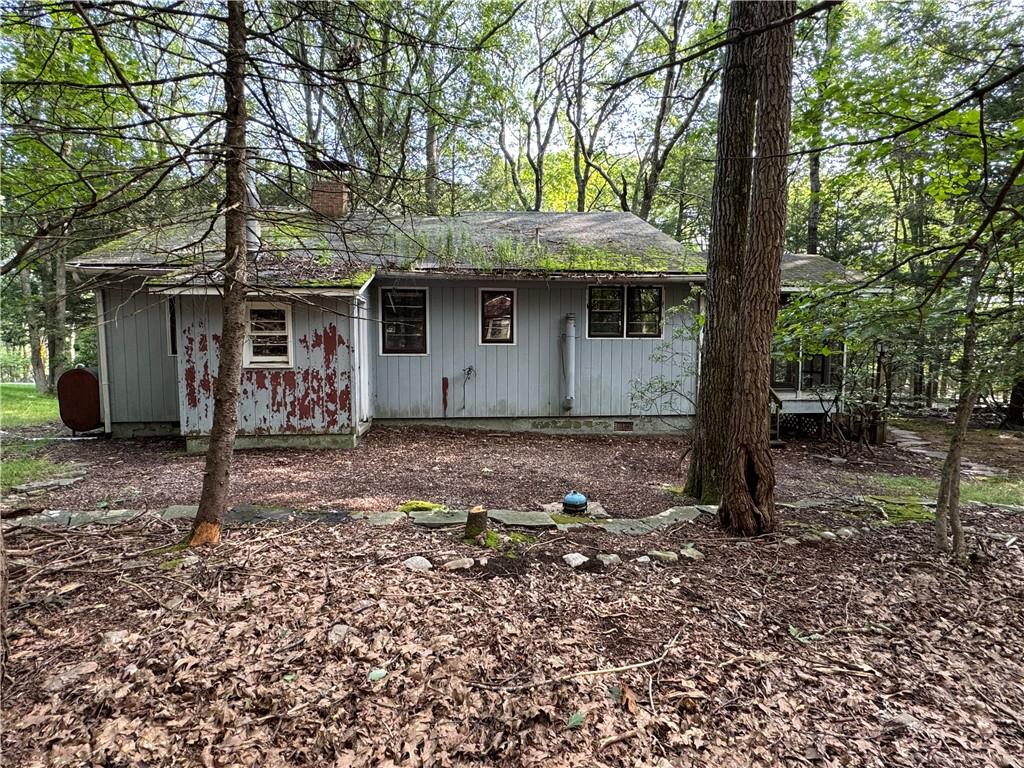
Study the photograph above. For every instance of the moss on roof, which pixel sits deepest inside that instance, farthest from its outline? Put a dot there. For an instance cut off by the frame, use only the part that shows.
(298, 248)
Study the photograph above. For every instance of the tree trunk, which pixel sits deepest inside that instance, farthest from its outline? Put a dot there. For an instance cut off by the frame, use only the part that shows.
(433, 204)
(748, 498)
(58, 333)
(814, 202)
(947, 508)
(729, 210)
(1015, 411)
(34, 335)
(216, 479)
(3, 609)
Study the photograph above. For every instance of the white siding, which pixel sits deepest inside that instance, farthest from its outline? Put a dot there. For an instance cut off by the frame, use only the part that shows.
(524, 380)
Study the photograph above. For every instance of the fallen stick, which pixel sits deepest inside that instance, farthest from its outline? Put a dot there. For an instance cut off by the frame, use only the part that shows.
(605, 743)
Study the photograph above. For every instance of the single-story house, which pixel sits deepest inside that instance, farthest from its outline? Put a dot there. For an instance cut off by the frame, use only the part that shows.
(545, 321)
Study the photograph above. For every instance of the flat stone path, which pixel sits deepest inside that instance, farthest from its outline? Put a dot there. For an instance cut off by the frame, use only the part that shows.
(911, 442)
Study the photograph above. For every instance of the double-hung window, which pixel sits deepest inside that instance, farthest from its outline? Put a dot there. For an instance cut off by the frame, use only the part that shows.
(625, 311)
(268, 335)
(403, 314)
(497, 316)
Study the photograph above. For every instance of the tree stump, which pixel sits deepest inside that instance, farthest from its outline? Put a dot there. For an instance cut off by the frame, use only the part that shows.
(476, 522)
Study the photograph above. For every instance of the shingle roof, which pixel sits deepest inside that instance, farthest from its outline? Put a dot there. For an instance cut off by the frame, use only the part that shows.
(298, 248)
(802, 270)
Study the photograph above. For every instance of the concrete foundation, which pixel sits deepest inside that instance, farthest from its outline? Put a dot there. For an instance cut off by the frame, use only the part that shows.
(199, 444)
(595, 425)
(129, 429)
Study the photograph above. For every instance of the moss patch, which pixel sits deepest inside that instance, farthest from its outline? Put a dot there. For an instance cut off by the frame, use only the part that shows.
(907, 510)
(561, 519)
(418, 505)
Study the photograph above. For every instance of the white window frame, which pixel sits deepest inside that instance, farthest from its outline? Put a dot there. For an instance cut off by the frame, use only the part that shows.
(171, 333)
(380, 320)
(248, 361)
(625, 313)
(480, 317)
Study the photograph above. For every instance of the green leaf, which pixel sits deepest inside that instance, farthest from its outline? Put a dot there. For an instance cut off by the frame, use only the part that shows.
(576, 720)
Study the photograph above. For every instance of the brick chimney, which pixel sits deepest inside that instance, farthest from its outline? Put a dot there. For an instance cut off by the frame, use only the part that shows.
(328, 190)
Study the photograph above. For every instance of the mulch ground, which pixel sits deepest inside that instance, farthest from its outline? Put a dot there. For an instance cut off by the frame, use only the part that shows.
(459, 468)
(307, 644)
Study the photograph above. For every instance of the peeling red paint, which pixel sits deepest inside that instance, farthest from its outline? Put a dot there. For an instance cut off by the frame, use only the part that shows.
(330, 345)
(315, 398)
(345, 399)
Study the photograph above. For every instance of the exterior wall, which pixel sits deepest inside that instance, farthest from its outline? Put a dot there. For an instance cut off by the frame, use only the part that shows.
(141, 372)
(312, 397)
(524, 380)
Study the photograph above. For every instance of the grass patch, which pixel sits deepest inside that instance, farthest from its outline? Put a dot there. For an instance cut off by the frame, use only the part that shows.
(22, 406)
(21, 462)
(26, 469)
(993, 490)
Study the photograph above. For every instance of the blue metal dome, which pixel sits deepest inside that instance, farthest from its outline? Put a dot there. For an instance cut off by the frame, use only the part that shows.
(574, 503)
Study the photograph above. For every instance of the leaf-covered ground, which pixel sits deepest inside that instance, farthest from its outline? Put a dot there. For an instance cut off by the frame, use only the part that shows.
(628, 475)
(309, 644)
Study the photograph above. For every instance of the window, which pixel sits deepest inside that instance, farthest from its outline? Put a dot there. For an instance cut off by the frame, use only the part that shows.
(268, 335)
(783, 373)
(497, 316)
(643, 311)
(172, 327)
(403, 314)
(619, 311)
(605, 308)
(816, 372)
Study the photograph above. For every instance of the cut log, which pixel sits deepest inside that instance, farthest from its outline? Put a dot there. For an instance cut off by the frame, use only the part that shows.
(476, 522)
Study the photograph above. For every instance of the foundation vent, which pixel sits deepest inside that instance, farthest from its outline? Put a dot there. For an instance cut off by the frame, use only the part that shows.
(622, 426)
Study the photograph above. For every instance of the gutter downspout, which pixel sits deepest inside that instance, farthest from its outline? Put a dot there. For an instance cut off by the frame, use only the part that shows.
(101, 342)
(569, 361)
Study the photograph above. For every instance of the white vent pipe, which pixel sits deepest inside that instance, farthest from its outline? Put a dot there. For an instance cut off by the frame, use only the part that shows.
(569, 361)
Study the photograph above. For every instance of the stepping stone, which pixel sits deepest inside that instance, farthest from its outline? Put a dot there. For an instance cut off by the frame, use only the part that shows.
(642, 560)
(790, 541)
(50, 517)
(810, 538)
(251, 513)
(575, 559)
(43, 485)
(379, 518)
(663, 556)
(460, 564)
(417, 563)
(180, 512)
(102, 516)
(846, 533)
(439, 518)
(609, 560)
(828, 536)
(642, 525)
(521, 518)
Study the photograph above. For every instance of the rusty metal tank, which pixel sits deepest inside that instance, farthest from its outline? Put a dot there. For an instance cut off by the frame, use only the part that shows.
(78, 395)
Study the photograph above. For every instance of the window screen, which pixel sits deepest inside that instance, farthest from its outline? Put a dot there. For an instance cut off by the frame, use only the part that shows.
(605, 309)
(643, 311)
(497, 317)
(268, 335)
(403, 321)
